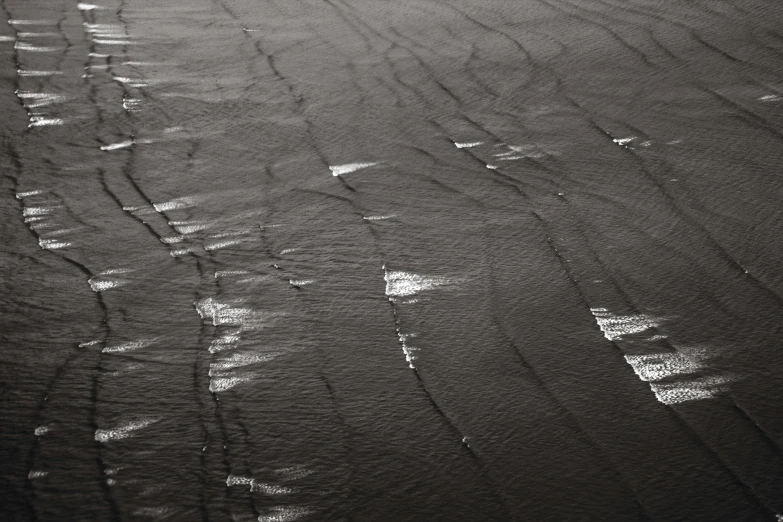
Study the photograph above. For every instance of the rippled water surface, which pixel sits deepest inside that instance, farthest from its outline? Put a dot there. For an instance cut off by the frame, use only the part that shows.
(391, 260)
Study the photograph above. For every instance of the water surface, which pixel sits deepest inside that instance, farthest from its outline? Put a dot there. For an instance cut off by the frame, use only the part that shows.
(352, 260)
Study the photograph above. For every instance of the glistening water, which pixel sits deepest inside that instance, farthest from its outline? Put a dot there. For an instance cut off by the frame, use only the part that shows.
(391, 260)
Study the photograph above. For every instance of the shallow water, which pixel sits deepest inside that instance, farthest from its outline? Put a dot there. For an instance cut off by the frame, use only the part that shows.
(391, 261)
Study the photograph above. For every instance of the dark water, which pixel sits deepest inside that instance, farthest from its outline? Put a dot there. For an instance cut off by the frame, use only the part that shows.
(354, 260)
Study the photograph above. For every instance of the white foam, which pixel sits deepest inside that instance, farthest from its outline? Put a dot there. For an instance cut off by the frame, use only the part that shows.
(119, 145)
(616, 326)
(36, 35)
(231, 233)
(663, 365)
(39, 222)
(301, 282)
(238, 360)
(182, 251)
(225, 273)
(37, 211)
(288, 251)
(224, 244)
(224, 342)
(37, 474)
(133, 82)
(40, 121)
(409, 351)
(771, 98)
(284, 514)
(223, 314)
(188, 227)
(44, 102)
(690, 390)
(124, 430)
(30, 72)
(271, 489)
(52, 244)
(7, 39)
(112, 271)
(268, 489)
(172, 239)
(467, 145)
(131, 104)
(402, 284)
(221, 384)
(339, 170)
(22, 195)
(39, 99)
(24, 46)
(236, 480)
(34, 95)
(377, 218)
(103, 41)
(113, 29)
(139, 209)
(87, 7)
(99, 284)
(177, 203)
(32, 22)
(623, 141)
(129, 346)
